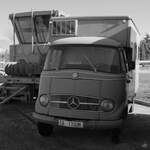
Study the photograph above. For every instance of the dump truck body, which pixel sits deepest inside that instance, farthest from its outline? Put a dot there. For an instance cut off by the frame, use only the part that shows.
(33, 33)
(27, 54)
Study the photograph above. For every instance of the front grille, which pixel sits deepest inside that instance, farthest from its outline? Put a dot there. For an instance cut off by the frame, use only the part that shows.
(85, 103)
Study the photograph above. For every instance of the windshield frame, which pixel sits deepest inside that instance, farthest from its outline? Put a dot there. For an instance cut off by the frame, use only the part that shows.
(117, 49)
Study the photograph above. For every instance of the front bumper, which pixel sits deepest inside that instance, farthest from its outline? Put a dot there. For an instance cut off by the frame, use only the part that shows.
(90, 124)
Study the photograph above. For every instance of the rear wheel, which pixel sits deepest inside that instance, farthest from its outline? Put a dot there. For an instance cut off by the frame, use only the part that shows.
(44, 129)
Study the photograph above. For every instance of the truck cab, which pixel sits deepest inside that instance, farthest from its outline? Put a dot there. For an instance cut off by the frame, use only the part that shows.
(88, 80)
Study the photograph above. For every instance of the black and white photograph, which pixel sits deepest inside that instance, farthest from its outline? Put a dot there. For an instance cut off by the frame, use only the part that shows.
(75, 75)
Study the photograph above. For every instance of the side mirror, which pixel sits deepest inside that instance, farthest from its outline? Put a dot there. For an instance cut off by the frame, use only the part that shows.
(131, 65)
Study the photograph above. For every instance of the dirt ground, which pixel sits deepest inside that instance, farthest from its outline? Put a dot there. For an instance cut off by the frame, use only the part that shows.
(17, 132)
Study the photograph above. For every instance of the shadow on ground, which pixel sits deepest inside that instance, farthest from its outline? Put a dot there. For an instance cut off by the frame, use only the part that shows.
(17, 132)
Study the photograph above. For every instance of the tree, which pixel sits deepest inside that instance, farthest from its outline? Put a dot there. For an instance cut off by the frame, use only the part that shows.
(144, 50)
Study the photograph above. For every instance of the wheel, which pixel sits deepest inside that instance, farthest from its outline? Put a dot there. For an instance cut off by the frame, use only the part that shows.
(7, 70)
(16, 71)
(12, 69)
(28, 69)
(44, 129)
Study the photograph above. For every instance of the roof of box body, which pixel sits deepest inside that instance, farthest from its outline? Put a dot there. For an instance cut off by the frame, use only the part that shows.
(90, 18)
(103, 41)
(96, 17)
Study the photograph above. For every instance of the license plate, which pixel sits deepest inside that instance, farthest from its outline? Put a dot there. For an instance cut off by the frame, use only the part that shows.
(72, 124)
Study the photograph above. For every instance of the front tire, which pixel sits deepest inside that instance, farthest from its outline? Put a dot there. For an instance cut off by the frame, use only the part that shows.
(44, 129)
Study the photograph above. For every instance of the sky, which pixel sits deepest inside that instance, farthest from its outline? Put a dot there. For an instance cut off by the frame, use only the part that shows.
(138, 10)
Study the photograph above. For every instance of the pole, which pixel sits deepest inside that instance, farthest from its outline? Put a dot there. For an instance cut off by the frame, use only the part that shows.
(14, 37)
(14, 40)
(32, 36)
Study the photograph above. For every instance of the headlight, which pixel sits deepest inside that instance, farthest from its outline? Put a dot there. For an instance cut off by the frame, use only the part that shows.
(107, 105)
(44, 99)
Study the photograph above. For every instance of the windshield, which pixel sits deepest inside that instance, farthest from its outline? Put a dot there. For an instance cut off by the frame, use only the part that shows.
(92, 58)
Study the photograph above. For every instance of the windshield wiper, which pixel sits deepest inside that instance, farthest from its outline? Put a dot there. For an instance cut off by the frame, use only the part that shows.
(90, 63)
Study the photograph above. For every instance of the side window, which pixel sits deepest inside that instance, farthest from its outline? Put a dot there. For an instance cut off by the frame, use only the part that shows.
(130, 58)
(123, 61)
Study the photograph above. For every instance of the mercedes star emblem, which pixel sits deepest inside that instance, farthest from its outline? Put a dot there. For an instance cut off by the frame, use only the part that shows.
(73, 102)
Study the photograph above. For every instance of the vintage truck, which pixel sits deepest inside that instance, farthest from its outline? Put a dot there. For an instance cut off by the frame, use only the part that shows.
(89, 79)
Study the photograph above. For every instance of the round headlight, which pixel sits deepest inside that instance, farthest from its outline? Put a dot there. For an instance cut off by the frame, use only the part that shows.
(44, 99)
(107, 105)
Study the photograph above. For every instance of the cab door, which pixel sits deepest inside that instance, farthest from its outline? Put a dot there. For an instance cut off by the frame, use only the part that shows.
(130, 83)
